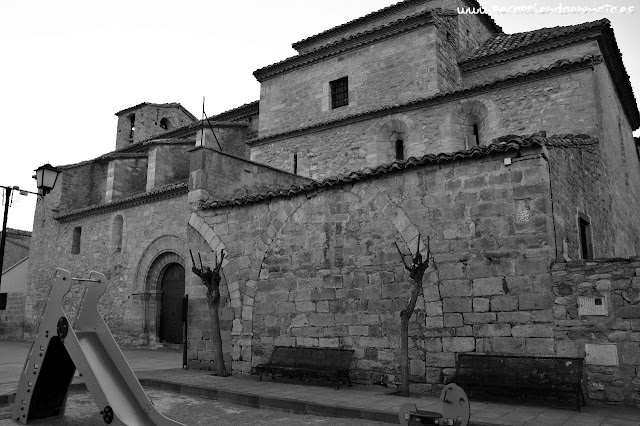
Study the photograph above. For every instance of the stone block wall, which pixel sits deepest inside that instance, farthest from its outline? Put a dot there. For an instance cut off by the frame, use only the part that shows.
(477, 31)
(621, 167)
(578, 189)
(126, 176)
(601, 183)
(200, 349)
(321, 268)
(393, 14)
(394, 70)
(82, 185)
(147, 123)
(168, 163)
(472, 76)
(612, 370)
(447, 50)
(219, 176)
(12, 318)
(562, 104)
(230, 136)
(149, 231)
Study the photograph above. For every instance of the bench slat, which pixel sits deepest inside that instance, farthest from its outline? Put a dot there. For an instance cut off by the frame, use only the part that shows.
(329, 362)
(514, 375)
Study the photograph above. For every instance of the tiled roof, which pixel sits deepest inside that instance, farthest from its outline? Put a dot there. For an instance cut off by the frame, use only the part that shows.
(507, 47)
(238, 113)
(502, 43)
(162, 193)
(17, 232)
(441, 96)
(166, 105)
(511, 142)
(387, 10)
(350, 42)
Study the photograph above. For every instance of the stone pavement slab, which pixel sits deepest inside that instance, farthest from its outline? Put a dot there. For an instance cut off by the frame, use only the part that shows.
(14, 354)
(370, 402)
(160, 369)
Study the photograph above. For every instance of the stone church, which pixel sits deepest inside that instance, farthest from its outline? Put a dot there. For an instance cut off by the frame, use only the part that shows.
(513, 153)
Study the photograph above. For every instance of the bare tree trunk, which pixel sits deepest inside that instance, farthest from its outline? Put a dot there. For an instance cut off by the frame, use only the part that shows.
(404, 356)
(211, 279)
(214, 313)
(416, 272)
(405, 316)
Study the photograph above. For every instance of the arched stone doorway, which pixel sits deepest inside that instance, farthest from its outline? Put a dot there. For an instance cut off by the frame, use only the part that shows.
(172, 291)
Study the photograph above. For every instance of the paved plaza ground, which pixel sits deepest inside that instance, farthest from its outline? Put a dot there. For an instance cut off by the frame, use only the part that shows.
(197, 397)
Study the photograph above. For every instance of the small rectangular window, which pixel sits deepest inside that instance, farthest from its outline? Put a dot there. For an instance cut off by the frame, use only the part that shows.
(399, 149)
(584, 228)
(339, 92)
(75, 244)
(3, 301)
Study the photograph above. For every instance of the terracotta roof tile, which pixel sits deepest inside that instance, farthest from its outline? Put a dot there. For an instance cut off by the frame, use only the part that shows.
(373, 15)
(501, 43)
(510, 142)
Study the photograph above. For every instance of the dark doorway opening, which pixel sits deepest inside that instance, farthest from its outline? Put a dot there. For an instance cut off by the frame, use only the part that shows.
(172, 287)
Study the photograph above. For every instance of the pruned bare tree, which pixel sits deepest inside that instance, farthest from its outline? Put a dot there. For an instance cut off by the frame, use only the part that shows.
(211, 279)
(416, 270)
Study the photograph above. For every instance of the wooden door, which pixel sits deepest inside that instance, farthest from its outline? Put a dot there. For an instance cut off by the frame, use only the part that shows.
(171, 304)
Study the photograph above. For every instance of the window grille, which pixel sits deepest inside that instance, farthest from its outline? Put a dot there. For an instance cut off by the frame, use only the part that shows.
(339, 92)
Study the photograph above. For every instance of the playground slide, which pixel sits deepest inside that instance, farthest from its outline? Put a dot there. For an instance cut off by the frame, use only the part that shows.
(88, 346)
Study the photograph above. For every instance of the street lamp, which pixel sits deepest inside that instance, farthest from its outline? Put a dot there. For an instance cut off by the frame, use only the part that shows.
(46, 177)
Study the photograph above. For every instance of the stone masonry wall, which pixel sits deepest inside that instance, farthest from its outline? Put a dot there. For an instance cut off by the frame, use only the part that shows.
(562, 104)
(126, 176)
(83, 185)
(527, 63)
(621, 167)
(395, 70)
(612, 341)
(477, 32)
(200, 348)
(149, 231)
(382, 19)
(147, 123)
(578, 188)
(230, 136)
(219, 176)
(321, 269)
(12, 318)
(167, 164)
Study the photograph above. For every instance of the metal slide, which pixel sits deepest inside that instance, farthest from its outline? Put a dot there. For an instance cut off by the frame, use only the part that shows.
(59, 349)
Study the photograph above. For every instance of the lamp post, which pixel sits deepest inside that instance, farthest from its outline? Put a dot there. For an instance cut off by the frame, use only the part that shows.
(46, 177)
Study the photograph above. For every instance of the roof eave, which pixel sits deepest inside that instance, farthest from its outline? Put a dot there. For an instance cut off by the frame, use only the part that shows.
(392, 29)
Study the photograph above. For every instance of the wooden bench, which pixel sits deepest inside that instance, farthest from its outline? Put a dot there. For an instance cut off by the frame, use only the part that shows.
(329, 363)
(520, 376)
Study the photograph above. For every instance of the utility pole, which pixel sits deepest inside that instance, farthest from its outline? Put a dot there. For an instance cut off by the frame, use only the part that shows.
(45, 177)
(7, 197)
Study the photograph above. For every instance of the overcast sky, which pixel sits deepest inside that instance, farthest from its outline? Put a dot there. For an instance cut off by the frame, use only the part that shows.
(66, 67)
